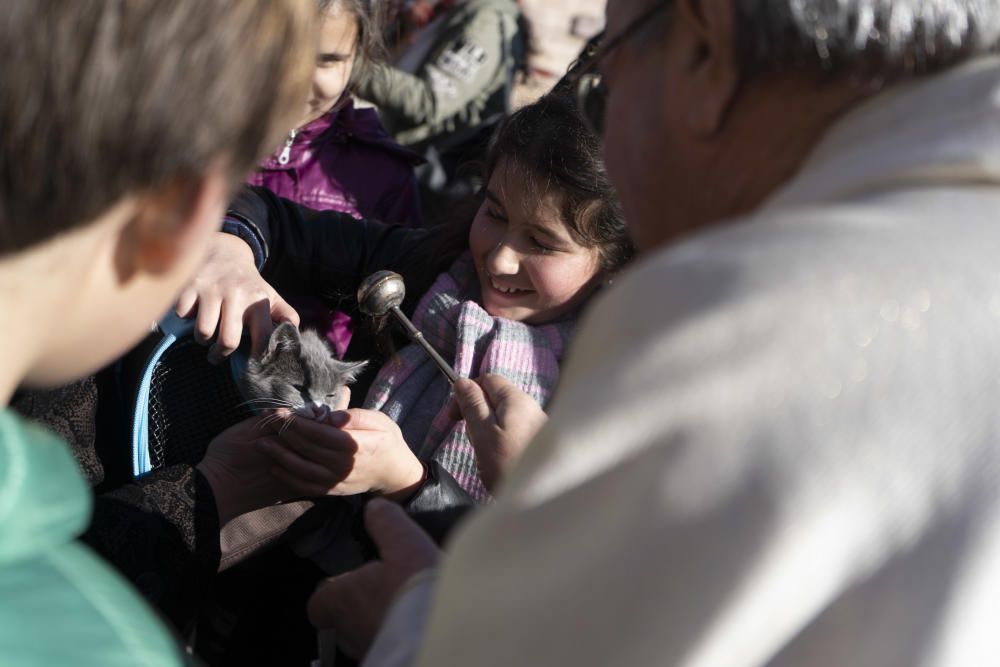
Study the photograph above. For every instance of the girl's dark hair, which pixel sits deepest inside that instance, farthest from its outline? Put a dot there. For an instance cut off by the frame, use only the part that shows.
(549, 144)
(370, 47)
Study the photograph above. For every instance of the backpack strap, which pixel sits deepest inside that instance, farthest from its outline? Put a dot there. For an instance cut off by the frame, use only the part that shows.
(172, 328)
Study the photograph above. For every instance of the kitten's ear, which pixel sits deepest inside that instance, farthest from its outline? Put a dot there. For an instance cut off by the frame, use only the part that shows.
(349, 371)
(285, 338)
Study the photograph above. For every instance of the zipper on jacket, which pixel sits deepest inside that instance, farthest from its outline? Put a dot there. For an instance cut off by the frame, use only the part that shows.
(286, 152)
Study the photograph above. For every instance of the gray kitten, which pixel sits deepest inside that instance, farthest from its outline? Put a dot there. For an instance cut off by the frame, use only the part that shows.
(298, 371)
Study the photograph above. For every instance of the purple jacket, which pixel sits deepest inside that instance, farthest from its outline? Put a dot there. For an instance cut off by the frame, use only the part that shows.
(345, 161)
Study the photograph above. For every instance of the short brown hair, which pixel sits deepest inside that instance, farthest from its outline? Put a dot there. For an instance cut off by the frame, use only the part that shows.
(101, 98)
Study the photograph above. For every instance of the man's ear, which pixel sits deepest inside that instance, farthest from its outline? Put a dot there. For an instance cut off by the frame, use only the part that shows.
(170, 222)
(712, 69)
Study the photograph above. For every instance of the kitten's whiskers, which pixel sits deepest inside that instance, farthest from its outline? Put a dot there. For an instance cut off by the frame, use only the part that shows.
(267, 402)
(288, 422)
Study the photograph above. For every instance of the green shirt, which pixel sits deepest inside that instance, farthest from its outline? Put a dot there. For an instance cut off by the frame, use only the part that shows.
(59, 603)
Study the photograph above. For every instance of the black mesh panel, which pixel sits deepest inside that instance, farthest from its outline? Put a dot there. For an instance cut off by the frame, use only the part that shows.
(190, 402)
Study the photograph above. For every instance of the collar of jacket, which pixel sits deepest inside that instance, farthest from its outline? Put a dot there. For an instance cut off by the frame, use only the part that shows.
(344, 124)
(930, 131)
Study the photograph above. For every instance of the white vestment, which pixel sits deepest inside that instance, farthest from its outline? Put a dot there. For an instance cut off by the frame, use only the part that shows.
(775, 443)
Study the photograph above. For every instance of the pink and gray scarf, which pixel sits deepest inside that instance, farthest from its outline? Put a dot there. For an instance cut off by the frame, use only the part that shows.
(476, 343)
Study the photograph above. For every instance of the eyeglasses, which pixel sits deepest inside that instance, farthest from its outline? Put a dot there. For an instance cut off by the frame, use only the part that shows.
(591, 92)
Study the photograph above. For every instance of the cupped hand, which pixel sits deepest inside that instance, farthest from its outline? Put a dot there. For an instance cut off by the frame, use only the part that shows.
(354, 604)
(349, 452)
(501, 421)
(239, 473)
(228, 293)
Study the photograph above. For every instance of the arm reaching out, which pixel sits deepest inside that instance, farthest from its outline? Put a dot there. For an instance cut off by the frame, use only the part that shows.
(227, 294)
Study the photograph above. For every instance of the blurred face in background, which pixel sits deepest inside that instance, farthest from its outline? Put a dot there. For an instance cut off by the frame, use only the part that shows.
(338, 41)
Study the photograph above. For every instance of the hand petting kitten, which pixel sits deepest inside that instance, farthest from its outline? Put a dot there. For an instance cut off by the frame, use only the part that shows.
(228, 292)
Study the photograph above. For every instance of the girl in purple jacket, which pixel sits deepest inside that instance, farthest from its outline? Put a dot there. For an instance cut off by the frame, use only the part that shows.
(339, 157)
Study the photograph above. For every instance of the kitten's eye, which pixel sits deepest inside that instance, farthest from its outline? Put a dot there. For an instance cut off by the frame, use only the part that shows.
(333, 395)
(299, 387)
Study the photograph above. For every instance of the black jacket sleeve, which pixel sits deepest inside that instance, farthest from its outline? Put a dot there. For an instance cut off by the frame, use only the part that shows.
(439, 504)
(327, 254)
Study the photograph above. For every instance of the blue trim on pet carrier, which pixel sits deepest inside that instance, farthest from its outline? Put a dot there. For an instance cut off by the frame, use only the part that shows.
(172, 327)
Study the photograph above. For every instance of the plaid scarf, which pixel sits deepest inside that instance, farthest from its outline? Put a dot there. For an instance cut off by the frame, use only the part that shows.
(453, 321)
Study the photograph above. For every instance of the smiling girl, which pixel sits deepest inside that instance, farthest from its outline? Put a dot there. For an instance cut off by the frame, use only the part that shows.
(530, 267)
(497, 294)
(339, 157)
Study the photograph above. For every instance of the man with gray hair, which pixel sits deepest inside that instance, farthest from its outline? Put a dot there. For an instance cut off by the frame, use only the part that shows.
(775, 440)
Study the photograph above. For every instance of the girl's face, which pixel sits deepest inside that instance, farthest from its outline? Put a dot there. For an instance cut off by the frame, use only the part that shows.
(530, 268)
(338, 38)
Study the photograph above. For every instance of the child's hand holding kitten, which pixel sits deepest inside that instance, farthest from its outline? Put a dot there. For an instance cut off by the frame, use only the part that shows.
(345, 453)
